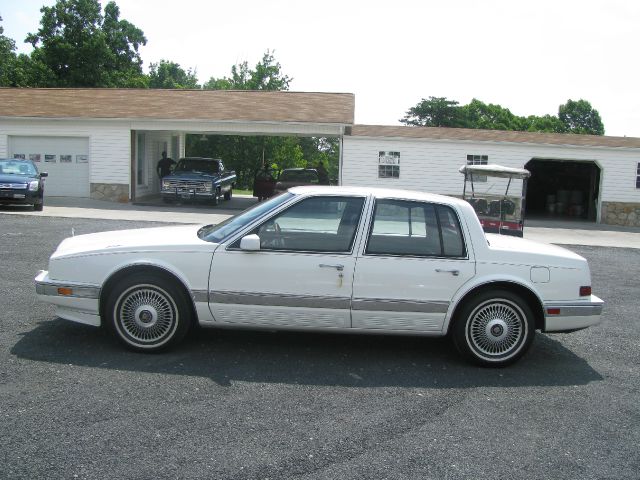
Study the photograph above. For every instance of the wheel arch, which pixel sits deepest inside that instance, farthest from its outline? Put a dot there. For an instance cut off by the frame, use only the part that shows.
(527, 294)
(123, 272)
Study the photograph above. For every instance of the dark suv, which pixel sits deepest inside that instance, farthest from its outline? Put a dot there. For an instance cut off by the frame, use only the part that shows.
(21, 183)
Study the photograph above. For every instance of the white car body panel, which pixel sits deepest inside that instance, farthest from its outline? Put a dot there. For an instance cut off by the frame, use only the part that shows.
(280, 289)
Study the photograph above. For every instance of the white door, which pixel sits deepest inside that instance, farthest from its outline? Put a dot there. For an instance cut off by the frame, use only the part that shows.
(65, 159)
(302, 274)
(412, 264)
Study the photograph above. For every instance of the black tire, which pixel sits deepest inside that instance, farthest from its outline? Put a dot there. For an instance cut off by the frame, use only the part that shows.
(228, 195)
(38, 207)
(494, 328)
(148, 313)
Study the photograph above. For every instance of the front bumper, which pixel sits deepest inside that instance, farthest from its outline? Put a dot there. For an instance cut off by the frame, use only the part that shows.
(19, 197)
(571, 316)
(74, 301)
(178, 194)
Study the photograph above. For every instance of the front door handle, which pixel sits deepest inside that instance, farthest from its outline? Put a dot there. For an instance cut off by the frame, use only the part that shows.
(337, 267)
(455, 273)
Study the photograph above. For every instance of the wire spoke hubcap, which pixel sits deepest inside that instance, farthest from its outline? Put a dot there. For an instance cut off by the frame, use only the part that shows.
(146, 314)
(496, 328)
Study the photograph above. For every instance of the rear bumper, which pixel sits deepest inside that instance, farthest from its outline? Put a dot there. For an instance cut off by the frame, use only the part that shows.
(571, 316)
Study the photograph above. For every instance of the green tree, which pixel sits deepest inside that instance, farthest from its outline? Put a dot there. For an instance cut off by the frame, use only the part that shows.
(168, 74)
(82, 48)
(580, 117)
(7, 58)
(435, 112)
(478, 114)
(266, 75)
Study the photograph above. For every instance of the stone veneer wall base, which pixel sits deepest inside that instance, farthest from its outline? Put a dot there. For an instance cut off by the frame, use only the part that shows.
(620, 213)
(110, 192)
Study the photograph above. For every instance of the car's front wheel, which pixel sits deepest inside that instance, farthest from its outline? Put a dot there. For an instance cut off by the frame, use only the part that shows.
(147, 313)
(494, 328)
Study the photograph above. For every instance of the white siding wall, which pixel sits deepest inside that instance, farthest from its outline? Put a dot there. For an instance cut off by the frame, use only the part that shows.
(109, 143)
(432, 165)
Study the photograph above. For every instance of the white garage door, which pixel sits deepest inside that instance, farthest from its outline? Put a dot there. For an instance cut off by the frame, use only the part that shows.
(65, 159)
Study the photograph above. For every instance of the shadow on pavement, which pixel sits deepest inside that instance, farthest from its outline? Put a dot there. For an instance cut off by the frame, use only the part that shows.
(226, 356)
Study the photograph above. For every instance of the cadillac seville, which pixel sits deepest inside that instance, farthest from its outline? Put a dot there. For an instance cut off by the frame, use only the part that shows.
(332, 259)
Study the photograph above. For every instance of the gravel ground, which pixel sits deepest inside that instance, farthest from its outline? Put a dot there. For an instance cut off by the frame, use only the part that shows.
(247, 405)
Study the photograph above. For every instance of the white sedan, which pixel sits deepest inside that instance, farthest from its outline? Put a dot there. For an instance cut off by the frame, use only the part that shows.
(333, 259)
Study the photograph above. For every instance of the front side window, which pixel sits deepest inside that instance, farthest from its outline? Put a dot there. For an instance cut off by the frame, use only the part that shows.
(218, 233)
(316, 224)
(409, 228)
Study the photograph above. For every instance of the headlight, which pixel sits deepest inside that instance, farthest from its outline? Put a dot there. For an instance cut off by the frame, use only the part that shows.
(165, 184)
(33, 186)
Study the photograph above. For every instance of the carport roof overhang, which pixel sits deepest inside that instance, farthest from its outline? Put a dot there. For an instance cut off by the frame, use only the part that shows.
(211, 111)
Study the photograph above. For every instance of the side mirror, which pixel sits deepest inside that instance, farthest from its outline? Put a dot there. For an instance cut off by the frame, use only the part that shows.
(44, 174)
(250, 243)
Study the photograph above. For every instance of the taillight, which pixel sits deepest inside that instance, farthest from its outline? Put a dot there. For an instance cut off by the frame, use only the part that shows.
(585, 291)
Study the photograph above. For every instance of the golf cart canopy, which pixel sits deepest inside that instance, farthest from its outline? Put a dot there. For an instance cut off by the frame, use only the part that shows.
(493, 170)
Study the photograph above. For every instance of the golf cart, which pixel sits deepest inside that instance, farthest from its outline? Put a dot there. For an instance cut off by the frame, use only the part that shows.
(498, 213)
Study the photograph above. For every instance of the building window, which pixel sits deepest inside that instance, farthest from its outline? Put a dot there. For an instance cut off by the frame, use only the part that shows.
(478, 160)
(638, 176)
(388, 164)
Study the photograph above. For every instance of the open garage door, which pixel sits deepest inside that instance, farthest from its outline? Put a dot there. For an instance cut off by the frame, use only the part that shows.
(563, 189)
(65, 159)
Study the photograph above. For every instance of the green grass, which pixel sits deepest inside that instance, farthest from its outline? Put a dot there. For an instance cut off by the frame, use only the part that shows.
(237, 191)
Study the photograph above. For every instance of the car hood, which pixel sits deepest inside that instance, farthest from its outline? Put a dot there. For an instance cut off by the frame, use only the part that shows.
(514, 249)
(180, 238)
(15, 178)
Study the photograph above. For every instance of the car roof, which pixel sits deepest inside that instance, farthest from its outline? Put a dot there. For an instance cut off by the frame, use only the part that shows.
(376, 192)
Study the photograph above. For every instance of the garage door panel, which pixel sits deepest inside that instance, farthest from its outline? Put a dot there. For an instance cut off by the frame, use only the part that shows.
(65, 159)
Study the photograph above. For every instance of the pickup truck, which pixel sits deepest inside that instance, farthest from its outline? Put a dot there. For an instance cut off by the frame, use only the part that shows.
(198, 179)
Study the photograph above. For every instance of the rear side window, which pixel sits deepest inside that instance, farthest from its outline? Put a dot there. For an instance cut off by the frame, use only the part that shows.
(415, 229)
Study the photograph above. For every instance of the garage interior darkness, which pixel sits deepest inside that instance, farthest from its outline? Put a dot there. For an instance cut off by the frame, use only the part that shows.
(563, 189)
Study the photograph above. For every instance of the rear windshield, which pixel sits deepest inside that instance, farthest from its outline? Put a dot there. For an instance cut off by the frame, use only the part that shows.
(197, 165)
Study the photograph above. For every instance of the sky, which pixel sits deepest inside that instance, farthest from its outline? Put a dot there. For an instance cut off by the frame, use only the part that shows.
(527, 56)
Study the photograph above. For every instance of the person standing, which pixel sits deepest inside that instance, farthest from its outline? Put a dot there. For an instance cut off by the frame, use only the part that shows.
(164, 166)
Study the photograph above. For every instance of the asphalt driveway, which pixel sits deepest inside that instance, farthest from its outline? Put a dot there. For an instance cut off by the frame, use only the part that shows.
(247, 405)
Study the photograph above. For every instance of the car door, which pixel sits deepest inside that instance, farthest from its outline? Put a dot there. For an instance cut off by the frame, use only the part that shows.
(413, 262)
(302, 273)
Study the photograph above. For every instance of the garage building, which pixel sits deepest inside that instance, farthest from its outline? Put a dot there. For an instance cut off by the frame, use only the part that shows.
(105, 143)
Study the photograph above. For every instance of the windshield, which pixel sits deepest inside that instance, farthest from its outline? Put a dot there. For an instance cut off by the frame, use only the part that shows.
(217, 233)
(197, 165)
(18, 167)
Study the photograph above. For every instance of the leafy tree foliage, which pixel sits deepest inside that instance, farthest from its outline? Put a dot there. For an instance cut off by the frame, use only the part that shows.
(265, 76)
(167, 74)
(435, 112)
(573, 117)
(580, 117)
(80, 47)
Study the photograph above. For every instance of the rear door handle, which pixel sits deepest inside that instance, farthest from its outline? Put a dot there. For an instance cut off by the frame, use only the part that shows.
(455, 273)
(337, 267)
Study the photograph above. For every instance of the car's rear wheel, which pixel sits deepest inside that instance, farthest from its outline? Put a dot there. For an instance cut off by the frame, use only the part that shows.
(494, 328)
(148, 313)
